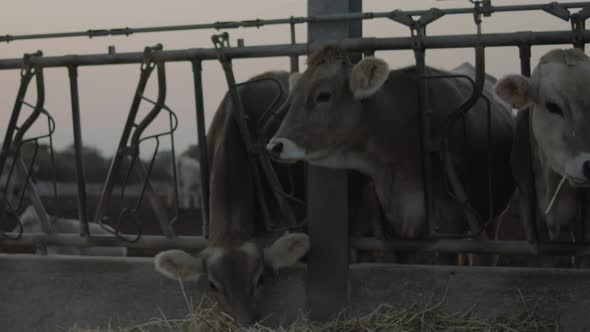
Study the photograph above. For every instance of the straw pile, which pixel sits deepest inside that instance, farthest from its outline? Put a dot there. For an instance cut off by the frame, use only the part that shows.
(385, 318)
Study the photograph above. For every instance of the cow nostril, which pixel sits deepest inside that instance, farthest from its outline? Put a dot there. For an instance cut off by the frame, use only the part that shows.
(276, 149)
(586, 169)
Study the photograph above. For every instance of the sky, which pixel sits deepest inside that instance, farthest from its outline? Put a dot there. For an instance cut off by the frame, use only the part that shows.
(106, 92)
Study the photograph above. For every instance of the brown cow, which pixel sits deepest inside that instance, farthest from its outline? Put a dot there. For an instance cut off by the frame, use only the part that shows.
(365, 117)
(234, 262)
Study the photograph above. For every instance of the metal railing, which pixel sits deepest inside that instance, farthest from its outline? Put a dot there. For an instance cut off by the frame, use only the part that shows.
(418, 42)
(554, 8)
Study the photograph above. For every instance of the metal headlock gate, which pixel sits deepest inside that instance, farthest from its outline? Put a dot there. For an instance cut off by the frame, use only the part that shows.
(348, 27)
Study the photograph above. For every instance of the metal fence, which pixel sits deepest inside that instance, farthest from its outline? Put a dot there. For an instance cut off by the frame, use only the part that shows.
(155, 58)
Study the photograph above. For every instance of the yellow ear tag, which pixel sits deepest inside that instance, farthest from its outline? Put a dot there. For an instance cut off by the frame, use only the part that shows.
(518, 102)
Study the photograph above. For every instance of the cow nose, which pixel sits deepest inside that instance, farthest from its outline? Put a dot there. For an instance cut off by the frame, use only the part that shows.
(275, 148)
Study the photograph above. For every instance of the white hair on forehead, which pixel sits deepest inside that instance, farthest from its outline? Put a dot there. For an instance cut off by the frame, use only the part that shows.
(570, 57)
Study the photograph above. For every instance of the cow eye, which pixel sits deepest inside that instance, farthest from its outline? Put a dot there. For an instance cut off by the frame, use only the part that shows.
(213, 286)
(553, 108)
(323, 97)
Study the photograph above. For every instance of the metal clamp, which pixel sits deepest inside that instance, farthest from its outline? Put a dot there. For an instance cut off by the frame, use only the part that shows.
(417, 27)
(578, 22)
(220, 41)
(557, 10)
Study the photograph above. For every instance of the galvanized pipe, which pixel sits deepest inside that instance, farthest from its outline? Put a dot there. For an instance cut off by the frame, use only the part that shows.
(204, 154)
(351, 45)
(294, 59)
(291, 20)
(474, 247)
(73, 240)
(529, 219)
(425, 114)
(78, 152)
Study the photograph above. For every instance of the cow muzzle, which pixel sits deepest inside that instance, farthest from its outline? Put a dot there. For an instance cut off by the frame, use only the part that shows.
(577, 170)
(285, 150)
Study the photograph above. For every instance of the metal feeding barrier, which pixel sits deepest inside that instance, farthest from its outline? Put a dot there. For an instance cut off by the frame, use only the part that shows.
(129, 150)
(155, 58)
(11, 162)
(328, 267)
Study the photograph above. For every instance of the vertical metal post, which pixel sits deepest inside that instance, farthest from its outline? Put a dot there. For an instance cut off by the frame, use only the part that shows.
(424, 127)
(529, 218)
(78, 153)
(578, 22)
(294, 58)
(524, 52)
(204, 155)
(327, 193)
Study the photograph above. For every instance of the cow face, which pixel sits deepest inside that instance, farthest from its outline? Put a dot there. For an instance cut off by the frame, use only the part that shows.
(325, 108)
(235, 275)
(560, 104)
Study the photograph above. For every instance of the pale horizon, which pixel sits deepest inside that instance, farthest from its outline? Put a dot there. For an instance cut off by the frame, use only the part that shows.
(106, 91)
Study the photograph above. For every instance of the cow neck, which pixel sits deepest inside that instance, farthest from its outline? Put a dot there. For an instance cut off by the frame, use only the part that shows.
(232, 188)
(390, 145)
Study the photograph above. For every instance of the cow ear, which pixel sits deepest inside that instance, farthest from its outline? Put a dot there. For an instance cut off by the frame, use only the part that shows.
(179, 265)
(368, 76)
(293, 79)
(286, 250)
(515, 90)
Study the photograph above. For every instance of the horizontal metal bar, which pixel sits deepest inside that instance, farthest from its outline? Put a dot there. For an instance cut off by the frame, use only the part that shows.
(352, 44)
(475, 246)
(74, 240)
(198, 242)
(262, 22)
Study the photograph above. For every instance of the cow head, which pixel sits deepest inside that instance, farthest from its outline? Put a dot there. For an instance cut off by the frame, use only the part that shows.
(235, 274)
(325, 108)
(557, 96)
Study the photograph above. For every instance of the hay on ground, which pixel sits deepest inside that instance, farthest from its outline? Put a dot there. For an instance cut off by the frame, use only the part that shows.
(385, 318)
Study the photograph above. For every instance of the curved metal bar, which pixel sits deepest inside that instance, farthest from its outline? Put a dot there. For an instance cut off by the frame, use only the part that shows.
(259, 161)
(458, 113)
(27, 73)
(135, 159)
(38, 109)
(149, 118)
(146, 69)
(49, 135)
(275, 101)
